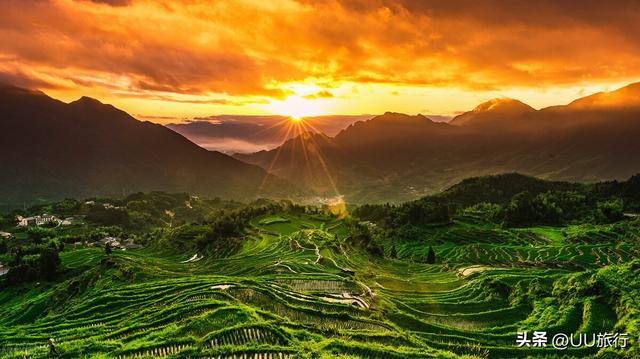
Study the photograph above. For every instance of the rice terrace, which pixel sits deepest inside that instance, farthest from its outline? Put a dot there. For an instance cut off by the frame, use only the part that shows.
(319, 179)
(299, 281)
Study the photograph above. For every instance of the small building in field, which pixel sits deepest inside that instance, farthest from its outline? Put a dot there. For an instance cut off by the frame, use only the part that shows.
(38, 220)
(5, 235)
(113, 242)
(70, 221)
(117, 243)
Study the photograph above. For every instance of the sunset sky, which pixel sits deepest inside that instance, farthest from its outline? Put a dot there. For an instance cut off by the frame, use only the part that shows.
(168, 60)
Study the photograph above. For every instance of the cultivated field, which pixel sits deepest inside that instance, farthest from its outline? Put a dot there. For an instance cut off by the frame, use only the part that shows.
(297, 289)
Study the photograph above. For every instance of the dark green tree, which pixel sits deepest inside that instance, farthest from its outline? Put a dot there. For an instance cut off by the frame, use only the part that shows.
(66, 207)
(519, 212)
(38, 234)
(4, 247)
(102, 216)
(610, 211)
(107, 249)
(431, 256)
(49, 262)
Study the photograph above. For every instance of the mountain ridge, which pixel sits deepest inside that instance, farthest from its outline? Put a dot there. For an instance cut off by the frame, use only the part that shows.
(486, 112)
(86, 148)
(395, 157)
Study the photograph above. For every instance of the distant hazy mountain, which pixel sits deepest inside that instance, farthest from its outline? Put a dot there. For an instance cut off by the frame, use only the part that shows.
(50, 149)
(247, 134)
(397, 157)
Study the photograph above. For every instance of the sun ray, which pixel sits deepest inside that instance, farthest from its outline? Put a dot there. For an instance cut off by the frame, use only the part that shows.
(297, 107)
(273, 162)
(278, 124)
(322, 160)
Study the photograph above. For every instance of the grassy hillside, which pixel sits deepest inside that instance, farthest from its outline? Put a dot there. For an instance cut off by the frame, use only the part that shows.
(278, 280)
(296, 287)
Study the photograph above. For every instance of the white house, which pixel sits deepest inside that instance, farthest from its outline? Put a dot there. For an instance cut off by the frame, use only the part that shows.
(113, 242)
(38, 220)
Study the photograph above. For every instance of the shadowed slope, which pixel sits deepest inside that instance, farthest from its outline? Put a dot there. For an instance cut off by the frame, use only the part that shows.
(86, 148)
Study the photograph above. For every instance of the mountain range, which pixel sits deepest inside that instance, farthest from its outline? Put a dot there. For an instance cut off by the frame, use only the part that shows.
(397, 157)
(247, 134)
(51, 150)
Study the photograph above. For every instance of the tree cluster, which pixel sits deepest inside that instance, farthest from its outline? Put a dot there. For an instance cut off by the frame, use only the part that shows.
(33, 262)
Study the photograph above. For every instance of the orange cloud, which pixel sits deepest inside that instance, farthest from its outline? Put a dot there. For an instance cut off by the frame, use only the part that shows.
(319, 94)
(253, 48)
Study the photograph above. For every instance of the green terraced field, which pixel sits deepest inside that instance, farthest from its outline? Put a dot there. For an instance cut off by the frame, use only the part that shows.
(295, 289)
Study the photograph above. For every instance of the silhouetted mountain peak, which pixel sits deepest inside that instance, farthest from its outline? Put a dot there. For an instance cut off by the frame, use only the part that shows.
(394, 119)
(87, 101)
(399, 116)
(628, 96)
(307, 136)
(6, 89)
(492, 111)
(89, 108)
(14, 100)
(503, 104)
(87, 148)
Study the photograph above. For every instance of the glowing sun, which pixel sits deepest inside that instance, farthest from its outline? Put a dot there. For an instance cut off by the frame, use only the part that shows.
(296, 107)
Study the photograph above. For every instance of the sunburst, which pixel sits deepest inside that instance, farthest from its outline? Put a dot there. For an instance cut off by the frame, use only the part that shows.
(296, 127)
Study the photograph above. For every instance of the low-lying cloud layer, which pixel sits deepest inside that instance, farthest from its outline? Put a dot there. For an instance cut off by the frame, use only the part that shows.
(248, 134)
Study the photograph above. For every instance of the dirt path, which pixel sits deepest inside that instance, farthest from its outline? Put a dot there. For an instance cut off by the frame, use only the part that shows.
(347, 298)
(318, 255)
(279, 264)
(195, 258)
(316, 250)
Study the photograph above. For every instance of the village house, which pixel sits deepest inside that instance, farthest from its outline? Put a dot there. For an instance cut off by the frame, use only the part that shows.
(37, 220)
(70, 221)
(113, 242)
(116, 243)
(5, 235)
